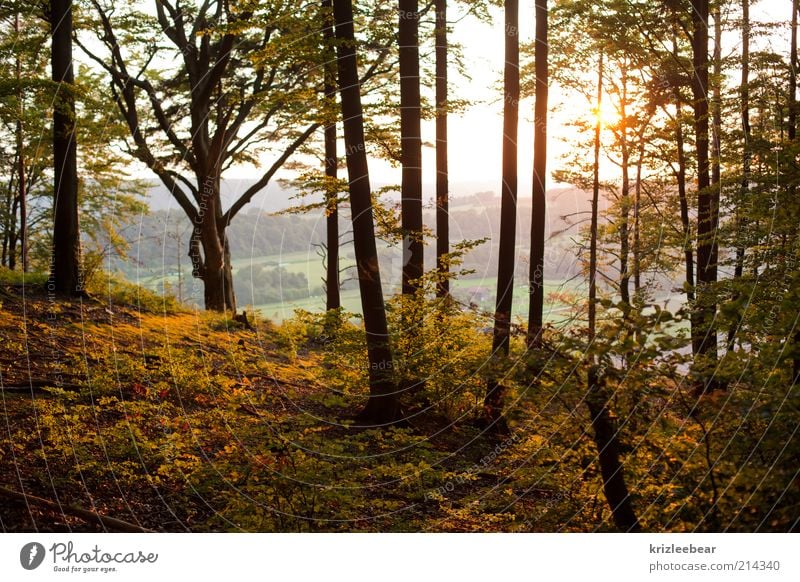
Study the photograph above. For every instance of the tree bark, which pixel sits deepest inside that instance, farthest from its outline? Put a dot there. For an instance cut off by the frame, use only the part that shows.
(716, 114)
(332, 295)
(683, 200)
(65, 275)
(792, 134)
(624, 241)
(213, 267)
(9, 222)
(792, 129)
(605, 432)
(382, 407)
(744, 94)
(21, 181)
(637, 237)
(595, 209)
(539, 202)
(411, 140)
(13, 235)
(442, 171)
(493, 401)
(707, 197)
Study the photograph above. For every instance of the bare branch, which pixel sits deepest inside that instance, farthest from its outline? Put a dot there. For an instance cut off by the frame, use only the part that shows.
(258, 186)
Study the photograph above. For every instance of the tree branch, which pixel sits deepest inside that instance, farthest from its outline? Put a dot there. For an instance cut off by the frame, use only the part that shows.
(258, 186)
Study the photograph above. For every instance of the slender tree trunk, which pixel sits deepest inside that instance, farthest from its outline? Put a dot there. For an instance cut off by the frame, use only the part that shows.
(792, 74)
(66, 263)
(707, 197)
(792, 135)
(716, 168)
(744, 93)
(382, 406)
(493, 402)
(716, 121)
(332, 295)
(442, 172)
(595, 210)
(605, 432)
(21, 181)
(624, 228)
(683, 200)
(13, 234)
(539, 202)
(8, 219)
(411, 154)
(637, 239)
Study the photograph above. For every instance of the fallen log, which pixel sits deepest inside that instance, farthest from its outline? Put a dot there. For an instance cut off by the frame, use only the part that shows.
(75, 511)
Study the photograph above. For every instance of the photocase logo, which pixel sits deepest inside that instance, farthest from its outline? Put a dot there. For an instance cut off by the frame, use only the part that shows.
(31, 555)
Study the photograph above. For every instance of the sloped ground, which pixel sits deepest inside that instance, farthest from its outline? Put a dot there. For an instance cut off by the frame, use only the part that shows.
(184, 421)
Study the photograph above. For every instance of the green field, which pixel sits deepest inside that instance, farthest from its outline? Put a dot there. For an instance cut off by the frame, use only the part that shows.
(479, 291)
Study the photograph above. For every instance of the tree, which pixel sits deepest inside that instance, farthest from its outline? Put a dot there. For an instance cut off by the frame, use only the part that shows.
(382, 407)
(536, 277)
(332, 295)
(744, 94)
(66, 268)
(707, 196)
(606, 435)
(411, 148)
(493, 401)
(107, 196)
(21, 182)
(442, 173)
(244, 87)
(683, 200)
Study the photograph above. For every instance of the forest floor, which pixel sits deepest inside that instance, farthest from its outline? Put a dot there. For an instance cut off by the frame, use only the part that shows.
(176, 420)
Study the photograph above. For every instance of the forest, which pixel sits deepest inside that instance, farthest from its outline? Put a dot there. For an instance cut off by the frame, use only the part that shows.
(607, 342)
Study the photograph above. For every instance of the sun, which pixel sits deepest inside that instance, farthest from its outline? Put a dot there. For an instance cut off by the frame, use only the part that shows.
(607, 115)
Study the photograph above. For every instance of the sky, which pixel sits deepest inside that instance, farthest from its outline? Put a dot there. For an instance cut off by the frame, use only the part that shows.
(475, 135)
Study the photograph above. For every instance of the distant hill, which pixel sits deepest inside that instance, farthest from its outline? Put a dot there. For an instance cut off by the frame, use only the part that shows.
(160, 239)
(277, 258)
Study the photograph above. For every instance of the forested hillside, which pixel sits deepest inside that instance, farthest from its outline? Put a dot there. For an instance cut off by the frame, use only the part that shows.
(605, 340)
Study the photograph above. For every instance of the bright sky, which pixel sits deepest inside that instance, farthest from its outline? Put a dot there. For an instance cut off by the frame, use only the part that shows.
(475, 136)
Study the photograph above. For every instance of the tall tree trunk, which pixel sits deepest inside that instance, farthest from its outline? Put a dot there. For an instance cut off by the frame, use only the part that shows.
(637, 237)
(624, 241)
(792, 74)
(605, 432)
(411, 154)
(66, 267)
(683, 200)
(332, 295)
(13, 234)
(792, 135)
(716, 107)
(707, 197)
(539, 202)
(442, 172)
(382, 406)
(595, 209)
(8, 220)
(493, 402)
(744, 94)
(21, 178)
